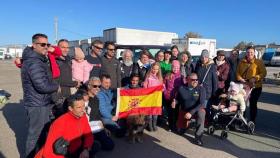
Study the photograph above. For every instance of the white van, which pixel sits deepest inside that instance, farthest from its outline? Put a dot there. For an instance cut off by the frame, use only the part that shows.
(275, 60)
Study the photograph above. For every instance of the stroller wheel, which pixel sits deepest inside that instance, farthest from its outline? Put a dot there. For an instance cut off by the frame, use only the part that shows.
(251, 127)
(211, 130)
(224, 135)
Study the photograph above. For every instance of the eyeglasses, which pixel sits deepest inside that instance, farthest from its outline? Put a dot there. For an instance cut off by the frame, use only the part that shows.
(44, 44)
(98, 47)
(194, 79)
(96, 86)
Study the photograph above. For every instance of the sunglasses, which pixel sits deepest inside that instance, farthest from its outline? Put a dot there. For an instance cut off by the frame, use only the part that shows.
(44, 44)
(98, 47)
(111, 49)
(96, 86)
(194, 79)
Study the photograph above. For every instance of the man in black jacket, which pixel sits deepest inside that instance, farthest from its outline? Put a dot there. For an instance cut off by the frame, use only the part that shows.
(38, 86)
(110, 65)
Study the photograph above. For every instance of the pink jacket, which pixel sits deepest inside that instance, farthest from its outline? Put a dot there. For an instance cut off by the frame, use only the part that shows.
(151, 81)
(172, 83)
(81, 71)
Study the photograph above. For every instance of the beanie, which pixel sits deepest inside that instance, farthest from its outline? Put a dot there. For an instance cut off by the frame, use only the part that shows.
(79, 54)
(205, 53)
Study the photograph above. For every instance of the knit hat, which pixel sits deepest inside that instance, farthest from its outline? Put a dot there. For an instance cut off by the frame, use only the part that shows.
(205, 53)
(79, 54)
(235, 87)
(175, 63)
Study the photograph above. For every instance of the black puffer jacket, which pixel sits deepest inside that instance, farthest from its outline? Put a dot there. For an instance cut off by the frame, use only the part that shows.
(37, 82)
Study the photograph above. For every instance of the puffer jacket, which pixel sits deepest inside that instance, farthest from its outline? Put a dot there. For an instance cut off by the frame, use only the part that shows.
(253, 69)
(172, 83)
(211, 80)
(37, 82)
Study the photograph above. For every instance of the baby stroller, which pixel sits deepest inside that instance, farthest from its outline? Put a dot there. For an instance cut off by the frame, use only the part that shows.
(223, 119)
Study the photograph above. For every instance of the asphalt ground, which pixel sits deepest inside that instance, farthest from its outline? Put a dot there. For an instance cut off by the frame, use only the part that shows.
(264, 143)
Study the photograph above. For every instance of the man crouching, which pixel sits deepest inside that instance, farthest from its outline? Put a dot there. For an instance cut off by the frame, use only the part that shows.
(73, 127)
(191, 99)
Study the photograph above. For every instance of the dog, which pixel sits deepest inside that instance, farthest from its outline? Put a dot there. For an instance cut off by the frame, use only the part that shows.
(135, 126)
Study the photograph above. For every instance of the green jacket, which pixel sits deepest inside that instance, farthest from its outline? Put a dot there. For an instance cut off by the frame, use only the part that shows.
(165, 68)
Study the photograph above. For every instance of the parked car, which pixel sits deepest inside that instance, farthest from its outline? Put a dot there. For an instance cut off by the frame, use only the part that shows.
(8, 56)
(267, 55)
(275, 60)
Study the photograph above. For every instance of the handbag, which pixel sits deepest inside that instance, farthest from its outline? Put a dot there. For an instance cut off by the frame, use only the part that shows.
(60, 146)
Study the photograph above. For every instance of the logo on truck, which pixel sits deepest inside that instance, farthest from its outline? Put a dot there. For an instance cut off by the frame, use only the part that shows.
(198, 42)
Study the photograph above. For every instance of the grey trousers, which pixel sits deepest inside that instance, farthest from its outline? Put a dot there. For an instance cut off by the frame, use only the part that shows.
(38, 119)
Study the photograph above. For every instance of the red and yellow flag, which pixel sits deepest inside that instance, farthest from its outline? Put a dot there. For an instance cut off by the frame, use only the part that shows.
(145, 101)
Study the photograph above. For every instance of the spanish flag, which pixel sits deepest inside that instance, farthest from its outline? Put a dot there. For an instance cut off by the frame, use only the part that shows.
(145, 101)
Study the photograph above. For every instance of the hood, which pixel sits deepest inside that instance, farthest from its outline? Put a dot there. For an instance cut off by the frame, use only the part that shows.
(29, 53)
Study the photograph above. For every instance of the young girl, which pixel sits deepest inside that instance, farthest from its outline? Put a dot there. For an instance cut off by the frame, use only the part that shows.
(80, 67)
(172, 82)
(235, 95)
(153, 78)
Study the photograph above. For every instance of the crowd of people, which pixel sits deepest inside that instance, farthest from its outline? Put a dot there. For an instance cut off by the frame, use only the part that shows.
(72, 102)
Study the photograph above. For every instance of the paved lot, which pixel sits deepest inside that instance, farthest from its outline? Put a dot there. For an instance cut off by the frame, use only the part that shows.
(265, 143)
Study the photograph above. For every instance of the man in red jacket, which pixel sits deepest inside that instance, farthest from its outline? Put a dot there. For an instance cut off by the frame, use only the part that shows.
(73, 127)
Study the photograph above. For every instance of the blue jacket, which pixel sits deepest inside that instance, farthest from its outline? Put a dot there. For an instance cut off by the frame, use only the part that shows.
(106, 104)
(36, 77)
(211, 81)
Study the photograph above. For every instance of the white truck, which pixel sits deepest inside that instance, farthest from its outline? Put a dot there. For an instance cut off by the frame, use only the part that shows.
(196, 45)
(135, 37)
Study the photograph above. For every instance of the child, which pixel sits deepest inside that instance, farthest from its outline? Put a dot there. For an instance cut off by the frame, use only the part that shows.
(172, 82)
(236, 95)
(80, 67)
(153, 78)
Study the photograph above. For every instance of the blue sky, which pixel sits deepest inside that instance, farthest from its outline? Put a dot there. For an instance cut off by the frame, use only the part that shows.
(228, 21)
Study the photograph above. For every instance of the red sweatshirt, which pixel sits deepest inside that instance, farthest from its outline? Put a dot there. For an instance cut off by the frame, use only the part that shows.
(54, 66)
(52, 56)
(72, 129)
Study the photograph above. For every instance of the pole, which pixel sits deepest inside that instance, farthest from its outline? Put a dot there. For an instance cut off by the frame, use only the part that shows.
(56, 29)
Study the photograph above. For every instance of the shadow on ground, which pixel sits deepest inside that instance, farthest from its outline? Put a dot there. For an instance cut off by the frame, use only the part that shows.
(270, 98)
(16, 118)
(149, 149)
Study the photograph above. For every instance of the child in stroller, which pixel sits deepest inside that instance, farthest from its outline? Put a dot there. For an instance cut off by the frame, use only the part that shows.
(236, 96)
(231, 107)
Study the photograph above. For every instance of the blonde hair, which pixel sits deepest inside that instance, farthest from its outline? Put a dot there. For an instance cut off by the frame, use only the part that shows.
(159, 75)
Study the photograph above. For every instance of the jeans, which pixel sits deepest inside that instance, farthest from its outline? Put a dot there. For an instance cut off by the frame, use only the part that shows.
(38, 123)
(105, 141)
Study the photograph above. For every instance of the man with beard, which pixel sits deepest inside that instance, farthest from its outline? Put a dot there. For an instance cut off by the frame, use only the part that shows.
(126, 67)
(110, 65)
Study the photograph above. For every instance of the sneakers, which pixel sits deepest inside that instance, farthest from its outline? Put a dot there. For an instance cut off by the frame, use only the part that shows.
(198, 140)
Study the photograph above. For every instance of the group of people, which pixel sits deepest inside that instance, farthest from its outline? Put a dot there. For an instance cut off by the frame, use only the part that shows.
(69, 98)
